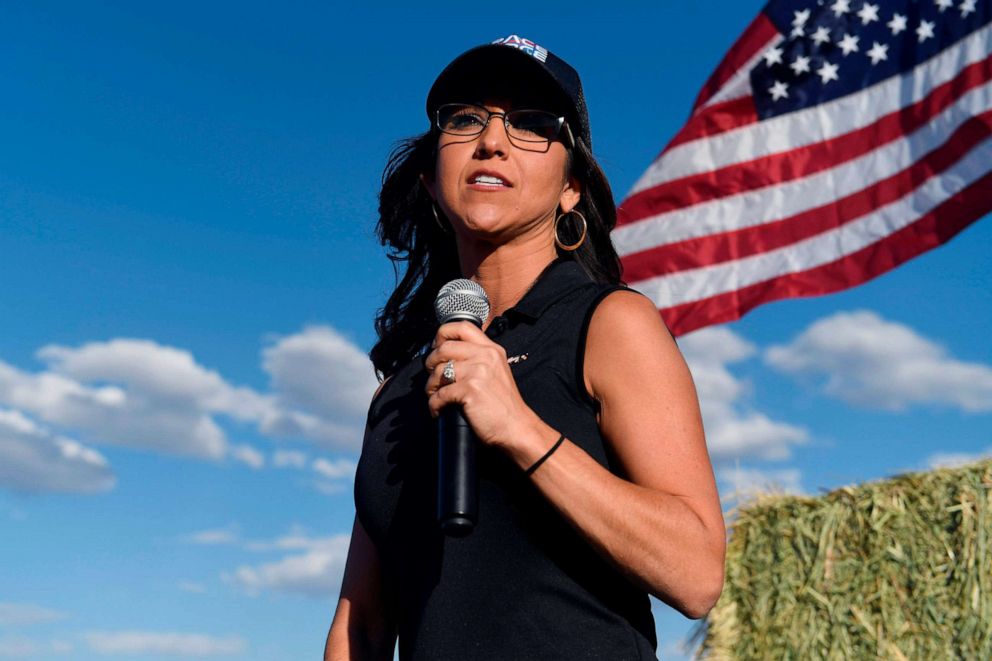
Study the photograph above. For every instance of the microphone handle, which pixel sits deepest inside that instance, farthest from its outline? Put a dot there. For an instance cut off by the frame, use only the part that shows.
(457, 476)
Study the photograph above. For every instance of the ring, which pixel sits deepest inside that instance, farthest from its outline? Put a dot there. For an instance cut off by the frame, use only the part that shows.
(448, 375)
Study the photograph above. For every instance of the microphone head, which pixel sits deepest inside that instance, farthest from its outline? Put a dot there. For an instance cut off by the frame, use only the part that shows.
(462, 300)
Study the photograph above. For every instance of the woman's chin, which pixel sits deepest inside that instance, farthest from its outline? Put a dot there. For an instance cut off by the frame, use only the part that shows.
(484, 227)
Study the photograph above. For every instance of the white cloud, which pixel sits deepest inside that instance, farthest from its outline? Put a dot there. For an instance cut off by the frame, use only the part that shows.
(731, 430)
(330, 488)
(716, 344)
(16, 647)
(737, 483)
(868, 361)
(137, 399)
(214, 536)
(282, 423)
(676, 650)
(289, 459)
(335, 476)
(60, 646)
(322, 383)
(192, 587)
(319, 371)
(34, 459)
(956, 459)
(751, 435)
(295, 540)
(315, 568)
(151, 642)
(14, 614)
(169, 373)
(248, 456)
(335, 470)
(142, 394)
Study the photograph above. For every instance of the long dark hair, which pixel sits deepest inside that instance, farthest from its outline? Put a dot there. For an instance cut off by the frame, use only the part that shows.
(412, 235)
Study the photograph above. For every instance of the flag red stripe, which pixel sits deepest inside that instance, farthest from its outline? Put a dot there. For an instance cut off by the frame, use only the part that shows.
(716, 119)
(801, 162)
(755, 37)
(931, 230)
(728, 246)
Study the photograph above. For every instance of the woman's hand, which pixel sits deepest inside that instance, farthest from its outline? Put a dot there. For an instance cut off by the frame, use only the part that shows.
(484, 385)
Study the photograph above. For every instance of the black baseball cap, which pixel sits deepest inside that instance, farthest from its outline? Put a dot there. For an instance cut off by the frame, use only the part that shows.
(515, 52)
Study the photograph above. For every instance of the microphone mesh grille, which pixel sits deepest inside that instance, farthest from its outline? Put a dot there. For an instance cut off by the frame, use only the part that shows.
(462, 299)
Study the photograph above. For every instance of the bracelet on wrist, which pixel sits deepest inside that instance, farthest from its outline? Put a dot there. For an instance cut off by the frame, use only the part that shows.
(537, 464)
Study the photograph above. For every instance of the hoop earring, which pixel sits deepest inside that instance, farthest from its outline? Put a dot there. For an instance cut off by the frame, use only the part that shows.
(577, 244)
(437, 219)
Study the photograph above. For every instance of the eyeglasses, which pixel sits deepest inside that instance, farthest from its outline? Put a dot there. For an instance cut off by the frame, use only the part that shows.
(535, 127)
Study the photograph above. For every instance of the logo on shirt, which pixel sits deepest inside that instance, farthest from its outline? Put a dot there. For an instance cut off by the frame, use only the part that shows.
(526, 45)
(513, 360)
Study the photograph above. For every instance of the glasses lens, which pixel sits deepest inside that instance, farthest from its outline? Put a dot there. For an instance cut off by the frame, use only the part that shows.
(533, 125)
(461, 119)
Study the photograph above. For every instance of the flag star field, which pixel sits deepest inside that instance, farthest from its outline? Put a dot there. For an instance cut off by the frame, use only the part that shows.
(866, 43)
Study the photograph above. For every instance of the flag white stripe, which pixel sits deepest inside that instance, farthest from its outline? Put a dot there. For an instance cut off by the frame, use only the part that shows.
(821, 122)
(685, 286)
(776, 202)
(739, 84)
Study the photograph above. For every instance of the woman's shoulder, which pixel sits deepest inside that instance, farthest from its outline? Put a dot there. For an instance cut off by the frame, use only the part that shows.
(620, 299)
(616, 310)
(625, 315)
(626, 336)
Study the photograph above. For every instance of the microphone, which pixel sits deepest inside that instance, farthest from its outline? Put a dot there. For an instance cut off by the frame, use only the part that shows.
(457, 476)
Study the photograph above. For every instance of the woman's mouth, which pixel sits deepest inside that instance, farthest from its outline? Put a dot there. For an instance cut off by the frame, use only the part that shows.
(488, 181)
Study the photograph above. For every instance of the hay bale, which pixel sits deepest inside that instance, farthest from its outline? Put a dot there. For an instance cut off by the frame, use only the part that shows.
(897, 569)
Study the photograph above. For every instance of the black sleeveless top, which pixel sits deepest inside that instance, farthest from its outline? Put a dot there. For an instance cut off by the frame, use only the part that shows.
(523, 584)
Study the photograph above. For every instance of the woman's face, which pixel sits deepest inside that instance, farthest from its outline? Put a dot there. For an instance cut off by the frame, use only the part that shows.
(492, 189)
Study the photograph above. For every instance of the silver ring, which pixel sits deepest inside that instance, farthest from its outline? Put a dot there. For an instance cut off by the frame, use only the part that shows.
(448, 375)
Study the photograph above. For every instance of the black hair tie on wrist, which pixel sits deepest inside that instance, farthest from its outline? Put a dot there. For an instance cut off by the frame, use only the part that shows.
(537, 464)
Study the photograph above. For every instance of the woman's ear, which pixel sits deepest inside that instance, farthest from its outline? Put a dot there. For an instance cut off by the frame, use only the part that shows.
(570, 194)
(428, 185)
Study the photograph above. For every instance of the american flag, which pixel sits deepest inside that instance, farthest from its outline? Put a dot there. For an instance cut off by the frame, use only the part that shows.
(836, 140)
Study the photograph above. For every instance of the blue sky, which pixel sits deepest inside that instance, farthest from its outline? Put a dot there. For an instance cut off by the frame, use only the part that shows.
(189, 276)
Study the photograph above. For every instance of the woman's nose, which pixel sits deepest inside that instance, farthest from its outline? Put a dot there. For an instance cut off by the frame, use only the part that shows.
(493, 140)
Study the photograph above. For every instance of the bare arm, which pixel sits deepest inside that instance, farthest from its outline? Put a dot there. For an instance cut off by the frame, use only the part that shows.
(362, 627)
(661, 524)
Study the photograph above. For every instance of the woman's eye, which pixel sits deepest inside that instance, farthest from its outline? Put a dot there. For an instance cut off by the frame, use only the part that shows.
(536, 124)
(465, 120)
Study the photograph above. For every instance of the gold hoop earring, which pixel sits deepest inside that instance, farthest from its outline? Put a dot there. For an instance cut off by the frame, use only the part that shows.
(437, 219)
(577, 244)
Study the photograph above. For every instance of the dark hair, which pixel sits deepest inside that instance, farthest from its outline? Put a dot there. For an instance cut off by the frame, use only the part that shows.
(411, 233)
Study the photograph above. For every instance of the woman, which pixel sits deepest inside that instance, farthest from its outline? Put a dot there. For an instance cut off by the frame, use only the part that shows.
(595, 484)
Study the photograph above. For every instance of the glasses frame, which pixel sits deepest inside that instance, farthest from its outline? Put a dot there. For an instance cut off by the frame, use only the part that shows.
(562, 124)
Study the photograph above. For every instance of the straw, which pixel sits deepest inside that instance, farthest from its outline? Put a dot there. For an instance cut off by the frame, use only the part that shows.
(896, 569)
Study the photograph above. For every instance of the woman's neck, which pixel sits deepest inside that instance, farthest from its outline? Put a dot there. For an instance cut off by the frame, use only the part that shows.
(506, 272)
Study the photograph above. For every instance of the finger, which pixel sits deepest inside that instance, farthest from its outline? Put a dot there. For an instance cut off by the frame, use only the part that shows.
(460, 330)
(436, 380)
(449, 350)
(447, 396)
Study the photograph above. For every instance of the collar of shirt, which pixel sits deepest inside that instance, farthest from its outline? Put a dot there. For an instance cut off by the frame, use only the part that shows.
(559, 278)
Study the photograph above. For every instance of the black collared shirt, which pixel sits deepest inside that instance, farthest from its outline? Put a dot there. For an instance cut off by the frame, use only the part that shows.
(524, 584)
